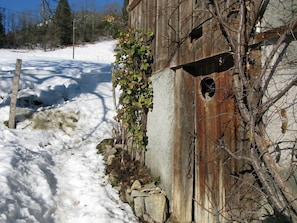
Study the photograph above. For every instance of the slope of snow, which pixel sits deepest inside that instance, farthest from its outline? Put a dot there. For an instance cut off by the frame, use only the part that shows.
(50, 171)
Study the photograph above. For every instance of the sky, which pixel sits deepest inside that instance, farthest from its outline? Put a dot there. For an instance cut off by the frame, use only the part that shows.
(28, 5)
(50, 171)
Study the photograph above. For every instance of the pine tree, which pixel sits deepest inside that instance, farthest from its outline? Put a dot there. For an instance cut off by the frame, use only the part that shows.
(2, 31)
(124, 10)
(63, 20)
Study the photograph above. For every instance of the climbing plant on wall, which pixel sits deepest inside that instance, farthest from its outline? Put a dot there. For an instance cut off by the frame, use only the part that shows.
(132, 75)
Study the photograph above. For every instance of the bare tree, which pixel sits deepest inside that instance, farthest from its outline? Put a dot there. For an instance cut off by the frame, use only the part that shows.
(265, 95)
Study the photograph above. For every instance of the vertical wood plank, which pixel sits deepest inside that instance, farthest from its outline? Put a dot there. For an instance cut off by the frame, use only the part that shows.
(182, 196)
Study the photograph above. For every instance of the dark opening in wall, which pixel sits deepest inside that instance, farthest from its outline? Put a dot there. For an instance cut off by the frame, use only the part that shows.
(208, 87)
(217, 63)
(196, 33)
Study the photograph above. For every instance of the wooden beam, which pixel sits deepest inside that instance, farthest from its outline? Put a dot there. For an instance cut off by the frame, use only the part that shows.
(132, 4)
(276, 32)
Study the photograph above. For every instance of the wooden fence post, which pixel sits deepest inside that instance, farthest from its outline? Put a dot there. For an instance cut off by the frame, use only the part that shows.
(14, 94)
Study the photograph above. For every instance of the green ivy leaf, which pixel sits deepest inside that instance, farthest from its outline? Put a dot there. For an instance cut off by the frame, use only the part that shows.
(133, 60)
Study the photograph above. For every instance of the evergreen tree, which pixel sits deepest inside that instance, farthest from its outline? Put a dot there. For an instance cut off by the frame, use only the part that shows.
(63, 20)
(124, 11)
(2, 31)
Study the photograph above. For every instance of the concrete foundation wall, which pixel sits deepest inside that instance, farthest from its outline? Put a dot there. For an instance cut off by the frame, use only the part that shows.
(159, 155)
(279, 13)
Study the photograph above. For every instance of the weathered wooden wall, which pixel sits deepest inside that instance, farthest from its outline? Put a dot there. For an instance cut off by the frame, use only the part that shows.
(216, 129)
(206, 122)
(183, 32)
(192, 44)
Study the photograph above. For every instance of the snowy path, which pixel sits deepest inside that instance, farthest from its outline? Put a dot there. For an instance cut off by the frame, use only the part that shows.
(50, 171)
(83, 192)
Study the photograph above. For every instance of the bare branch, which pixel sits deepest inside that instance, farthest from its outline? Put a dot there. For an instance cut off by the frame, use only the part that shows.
(275, 172)
(222, 145)
(260, 10)
(265, 106)
(269, 77)
(218, 15)
(239, 79)
(276, 46)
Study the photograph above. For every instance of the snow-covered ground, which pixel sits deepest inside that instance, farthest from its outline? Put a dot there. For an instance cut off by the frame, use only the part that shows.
(49, 169)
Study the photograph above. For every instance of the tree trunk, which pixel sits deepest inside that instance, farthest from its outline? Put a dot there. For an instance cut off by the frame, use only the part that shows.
(285, 194)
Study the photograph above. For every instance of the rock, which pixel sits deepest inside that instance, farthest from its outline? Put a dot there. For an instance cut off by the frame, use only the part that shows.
(136, 185)
(118, 146)
(157, 190)
(148, 187)
(123, 196)
(109, 152)
(108, 147)
(112, 176)
(129, 198)
(136, 193)
(147, 218)
(164, 193)
(102, 145)
(172, 219)
(110, 159)
(156, 207)
(139, 206)
(128, 190)
(152, 189)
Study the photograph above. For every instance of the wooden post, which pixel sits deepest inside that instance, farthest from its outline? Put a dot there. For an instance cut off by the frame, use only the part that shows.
(73, 38)
(14, 94)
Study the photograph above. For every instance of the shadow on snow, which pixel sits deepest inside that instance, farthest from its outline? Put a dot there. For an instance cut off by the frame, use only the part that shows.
(64, 80)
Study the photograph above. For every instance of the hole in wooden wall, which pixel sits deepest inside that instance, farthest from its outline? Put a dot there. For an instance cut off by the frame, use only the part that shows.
(196, 33)
(208, 87)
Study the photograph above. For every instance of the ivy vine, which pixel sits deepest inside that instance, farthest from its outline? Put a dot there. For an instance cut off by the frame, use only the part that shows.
(132, 74)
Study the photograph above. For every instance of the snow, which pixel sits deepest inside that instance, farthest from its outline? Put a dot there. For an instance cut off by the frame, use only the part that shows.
(50, 171)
